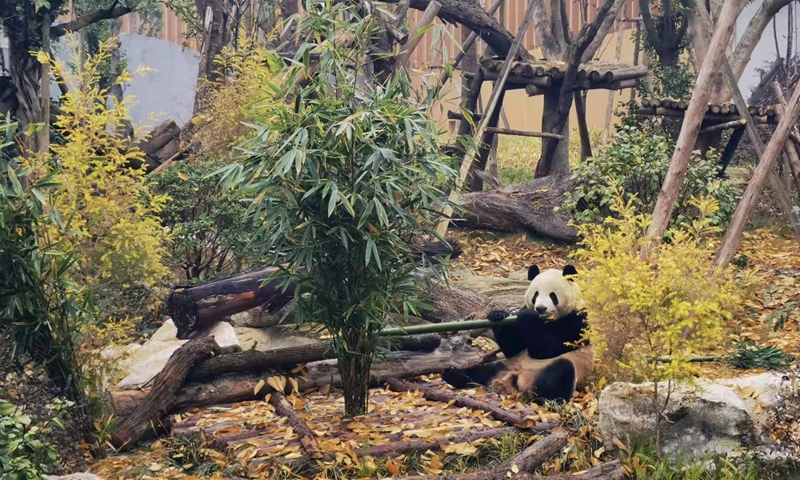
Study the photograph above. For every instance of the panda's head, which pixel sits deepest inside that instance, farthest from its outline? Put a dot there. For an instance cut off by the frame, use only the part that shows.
(552, 293)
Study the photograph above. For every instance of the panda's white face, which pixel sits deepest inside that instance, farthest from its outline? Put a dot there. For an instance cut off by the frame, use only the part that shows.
(551, 294)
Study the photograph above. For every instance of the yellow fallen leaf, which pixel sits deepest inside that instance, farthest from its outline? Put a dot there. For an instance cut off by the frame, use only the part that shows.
(515, 468)
(325, 389)
(295, 388)
(298, 404)
(274, 382)
(619, 444)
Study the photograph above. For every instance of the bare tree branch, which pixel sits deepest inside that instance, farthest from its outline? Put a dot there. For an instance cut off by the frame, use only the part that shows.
(649, 26)
(602, 32)
(541, 25)
(112, 11)
(752, 34)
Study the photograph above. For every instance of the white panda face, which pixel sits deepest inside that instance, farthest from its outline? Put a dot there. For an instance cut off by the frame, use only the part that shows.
(551, 293)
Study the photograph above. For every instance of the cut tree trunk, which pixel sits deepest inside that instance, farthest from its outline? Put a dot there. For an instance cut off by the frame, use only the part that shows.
(254, 361)
(691, 125)
(150, 412)
(198, 308)
(457, 352)
(528, 207)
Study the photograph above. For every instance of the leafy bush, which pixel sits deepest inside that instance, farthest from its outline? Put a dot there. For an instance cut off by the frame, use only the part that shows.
(115, 235)
(244, 71)
(667, 305)
(23, 455)
(209, 225)
(343, 175)
(638, 163)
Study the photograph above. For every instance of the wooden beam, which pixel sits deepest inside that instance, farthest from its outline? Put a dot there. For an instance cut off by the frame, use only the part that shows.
(466, 164)
(733, 233)
(724, 126)
(765, 166)
(414, 36)
(520, 133)
(690, 128)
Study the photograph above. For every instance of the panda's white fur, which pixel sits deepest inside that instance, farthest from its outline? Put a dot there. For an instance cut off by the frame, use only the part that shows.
(553, 281)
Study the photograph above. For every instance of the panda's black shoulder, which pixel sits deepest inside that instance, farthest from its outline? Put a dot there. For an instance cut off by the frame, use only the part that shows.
(570, 327)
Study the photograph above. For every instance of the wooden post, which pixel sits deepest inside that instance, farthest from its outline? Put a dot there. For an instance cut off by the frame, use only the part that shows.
(466, 164)
(791, 150)
(778, 188)
(414, 36)
(583, 128)
(611, 93)
(691, 125)
(748, 203)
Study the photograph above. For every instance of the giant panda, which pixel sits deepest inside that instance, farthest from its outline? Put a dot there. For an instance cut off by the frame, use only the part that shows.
(546, 354)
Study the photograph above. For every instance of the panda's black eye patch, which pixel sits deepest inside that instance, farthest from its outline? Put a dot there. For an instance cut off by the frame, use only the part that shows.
(535, 296)
(554, 298)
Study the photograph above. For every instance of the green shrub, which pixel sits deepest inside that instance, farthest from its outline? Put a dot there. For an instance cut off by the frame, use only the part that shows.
(343, 175)
(210, 226)
(638, 163)
(23, 455)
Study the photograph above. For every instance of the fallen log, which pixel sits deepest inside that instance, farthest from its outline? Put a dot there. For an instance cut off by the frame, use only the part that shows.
(197, 308)
(529, 206)
(150, 413)
(605, 471)
(525, 462)
(253, 361)
(446, 396)
(457, 352)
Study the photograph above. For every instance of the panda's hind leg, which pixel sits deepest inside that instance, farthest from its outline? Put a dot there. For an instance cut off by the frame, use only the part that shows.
(556, 381)
(482, 374)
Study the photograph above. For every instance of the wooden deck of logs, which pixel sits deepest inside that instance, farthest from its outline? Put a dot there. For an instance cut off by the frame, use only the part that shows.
(722, 113)
(537, 76)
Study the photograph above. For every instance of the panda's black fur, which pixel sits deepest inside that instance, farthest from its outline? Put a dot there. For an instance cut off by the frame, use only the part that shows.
(543, 357)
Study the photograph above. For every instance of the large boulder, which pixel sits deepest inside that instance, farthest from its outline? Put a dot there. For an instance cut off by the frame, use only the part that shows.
(719, 417)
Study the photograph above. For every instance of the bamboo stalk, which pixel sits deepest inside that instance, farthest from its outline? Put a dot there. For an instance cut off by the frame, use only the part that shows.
(447, 327)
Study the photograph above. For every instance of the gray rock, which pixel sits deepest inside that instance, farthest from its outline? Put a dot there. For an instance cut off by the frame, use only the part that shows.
(720, 417)
(263, 339)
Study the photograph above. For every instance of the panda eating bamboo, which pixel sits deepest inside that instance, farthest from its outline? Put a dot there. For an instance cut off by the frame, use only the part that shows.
(546, 354)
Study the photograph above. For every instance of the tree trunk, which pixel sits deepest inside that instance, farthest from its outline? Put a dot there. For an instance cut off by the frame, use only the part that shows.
(691, 124)
(560, 163)
(24, 69)
(355, 349)
(214, 39)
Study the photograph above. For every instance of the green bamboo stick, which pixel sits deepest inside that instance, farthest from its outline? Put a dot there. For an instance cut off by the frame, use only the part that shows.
(446, 327)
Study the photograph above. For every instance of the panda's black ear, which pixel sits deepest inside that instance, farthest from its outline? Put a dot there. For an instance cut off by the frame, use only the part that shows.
(569, 270)
(532, 272)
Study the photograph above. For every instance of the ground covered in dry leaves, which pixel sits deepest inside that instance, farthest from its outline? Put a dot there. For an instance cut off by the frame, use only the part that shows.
(773, 319)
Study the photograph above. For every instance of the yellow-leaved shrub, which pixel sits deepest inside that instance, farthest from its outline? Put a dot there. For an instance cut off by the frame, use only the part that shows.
(244, 73)
(666, 306)
(103, 196)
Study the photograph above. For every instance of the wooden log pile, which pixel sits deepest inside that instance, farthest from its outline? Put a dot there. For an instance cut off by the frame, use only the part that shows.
(539, 75)
(716, 112)
(725, 108)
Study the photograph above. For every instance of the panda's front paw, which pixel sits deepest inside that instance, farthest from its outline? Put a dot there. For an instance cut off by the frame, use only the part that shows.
(497, 315)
